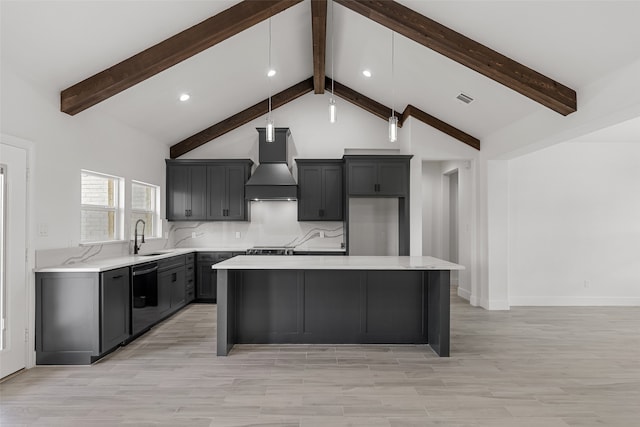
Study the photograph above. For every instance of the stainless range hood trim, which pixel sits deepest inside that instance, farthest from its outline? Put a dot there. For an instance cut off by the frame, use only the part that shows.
(272, 179)
(271, 192)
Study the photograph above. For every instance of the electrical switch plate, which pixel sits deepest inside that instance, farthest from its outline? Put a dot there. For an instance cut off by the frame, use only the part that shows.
(238, 234)
(193, 235)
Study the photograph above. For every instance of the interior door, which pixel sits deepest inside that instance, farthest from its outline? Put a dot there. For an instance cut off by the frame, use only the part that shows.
(13, 268)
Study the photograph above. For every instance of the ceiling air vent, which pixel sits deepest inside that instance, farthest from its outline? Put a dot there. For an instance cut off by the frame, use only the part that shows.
(464, 98)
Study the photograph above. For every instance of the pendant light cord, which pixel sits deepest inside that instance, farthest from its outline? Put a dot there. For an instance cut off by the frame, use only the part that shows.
(269, 70)
(393, 86)
(333, 31)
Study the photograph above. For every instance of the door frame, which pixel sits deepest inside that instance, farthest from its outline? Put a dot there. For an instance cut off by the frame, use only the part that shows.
(29, 147)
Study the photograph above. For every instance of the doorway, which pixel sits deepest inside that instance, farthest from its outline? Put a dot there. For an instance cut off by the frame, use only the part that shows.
(454, 223)
(13, 264)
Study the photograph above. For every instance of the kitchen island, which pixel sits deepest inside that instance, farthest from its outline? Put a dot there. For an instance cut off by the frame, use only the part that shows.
(333, 300)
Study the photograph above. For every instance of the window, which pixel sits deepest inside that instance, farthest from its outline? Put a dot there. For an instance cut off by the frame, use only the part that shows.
(3, 292)
(101, 205)
(145, 205)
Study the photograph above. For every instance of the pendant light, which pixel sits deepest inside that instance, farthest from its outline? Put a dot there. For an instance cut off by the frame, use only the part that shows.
(393, 120)
(270, 134)
(333, 117)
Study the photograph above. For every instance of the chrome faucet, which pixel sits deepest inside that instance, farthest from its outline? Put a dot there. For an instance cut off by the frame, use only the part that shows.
(136, 247)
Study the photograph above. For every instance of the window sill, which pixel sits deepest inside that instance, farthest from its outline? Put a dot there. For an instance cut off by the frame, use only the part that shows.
(117, 242)
(105, 242)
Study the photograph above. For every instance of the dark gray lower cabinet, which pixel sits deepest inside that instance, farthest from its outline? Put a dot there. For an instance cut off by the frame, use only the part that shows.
(80, 317)
(327, 306)
(206, 284)
(171, 285)
(333, 307)
(190, 278)
(115, 317)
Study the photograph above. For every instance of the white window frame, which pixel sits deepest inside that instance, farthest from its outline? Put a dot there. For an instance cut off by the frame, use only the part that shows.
(117, 209)
(156, 232)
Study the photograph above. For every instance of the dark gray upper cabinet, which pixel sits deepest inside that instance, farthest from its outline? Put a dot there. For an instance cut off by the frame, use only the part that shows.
(320, 190)
(200, 190)
(226, 191)
(378, 176)
(186, 192)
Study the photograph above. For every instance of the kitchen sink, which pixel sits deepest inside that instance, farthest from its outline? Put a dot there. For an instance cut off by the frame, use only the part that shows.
(156, 253)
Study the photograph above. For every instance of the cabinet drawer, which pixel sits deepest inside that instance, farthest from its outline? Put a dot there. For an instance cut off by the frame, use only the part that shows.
(169, 263)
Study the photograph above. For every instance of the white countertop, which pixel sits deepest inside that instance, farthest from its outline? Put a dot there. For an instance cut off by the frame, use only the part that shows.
(104, 264)
(320, 262)
(99, 265)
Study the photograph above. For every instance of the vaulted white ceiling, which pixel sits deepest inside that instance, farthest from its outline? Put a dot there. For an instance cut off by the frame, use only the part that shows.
(55, 44)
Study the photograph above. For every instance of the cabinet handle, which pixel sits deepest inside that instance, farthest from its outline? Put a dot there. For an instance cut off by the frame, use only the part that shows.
(119, 276)
(174, 277)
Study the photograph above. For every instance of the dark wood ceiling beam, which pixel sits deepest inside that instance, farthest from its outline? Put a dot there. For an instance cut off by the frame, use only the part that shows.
(319, 36)
(360, 100)
(169, 52)
(241, 118)
(467, 52)
(382, 111)
(416, 113)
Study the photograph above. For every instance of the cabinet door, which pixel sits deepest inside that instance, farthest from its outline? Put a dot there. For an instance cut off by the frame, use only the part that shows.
(115, 308)
(332, 193)
(363, 178)
(198, 187)
(186, 192)
(178, 284)
(392, 178)
(165, 280)
(206, 285)
(216, 177)
(178, 192)
(310, 193)
(236, 203)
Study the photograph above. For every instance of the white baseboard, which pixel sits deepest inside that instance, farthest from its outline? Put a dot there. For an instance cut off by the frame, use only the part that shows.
(575, 301)
(494, 304)
(464, 293)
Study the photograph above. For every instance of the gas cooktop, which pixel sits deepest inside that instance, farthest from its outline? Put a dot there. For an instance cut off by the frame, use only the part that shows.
(270, 250)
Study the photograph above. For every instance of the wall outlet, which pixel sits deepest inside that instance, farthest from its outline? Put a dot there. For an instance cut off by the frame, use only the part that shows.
(43, 229)
(238, 234)
(322, 234)
(194, 235)
(166, 234)
(587, 283)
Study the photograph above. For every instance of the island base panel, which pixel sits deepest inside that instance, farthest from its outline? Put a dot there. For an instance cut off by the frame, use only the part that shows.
(333, 307)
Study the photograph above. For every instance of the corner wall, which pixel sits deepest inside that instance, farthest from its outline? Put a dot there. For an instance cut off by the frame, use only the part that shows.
(574, 225)
(63, 145)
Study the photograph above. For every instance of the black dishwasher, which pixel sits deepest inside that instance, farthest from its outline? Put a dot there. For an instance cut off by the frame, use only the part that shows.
(144, 297)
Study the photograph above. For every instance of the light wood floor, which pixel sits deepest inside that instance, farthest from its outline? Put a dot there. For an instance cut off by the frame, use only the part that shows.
(547, 367)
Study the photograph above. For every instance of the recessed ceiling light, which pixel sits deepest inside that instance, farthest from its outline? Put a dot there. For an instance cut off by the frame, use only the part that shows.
(366, 73)
(271, 73)
(184, 97)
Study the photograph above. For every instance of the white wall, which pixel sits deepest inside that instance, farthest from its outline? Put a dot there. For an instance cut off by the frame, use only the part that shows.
(602, 103)
(63, 145)
(574, 225)
(435, 154)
